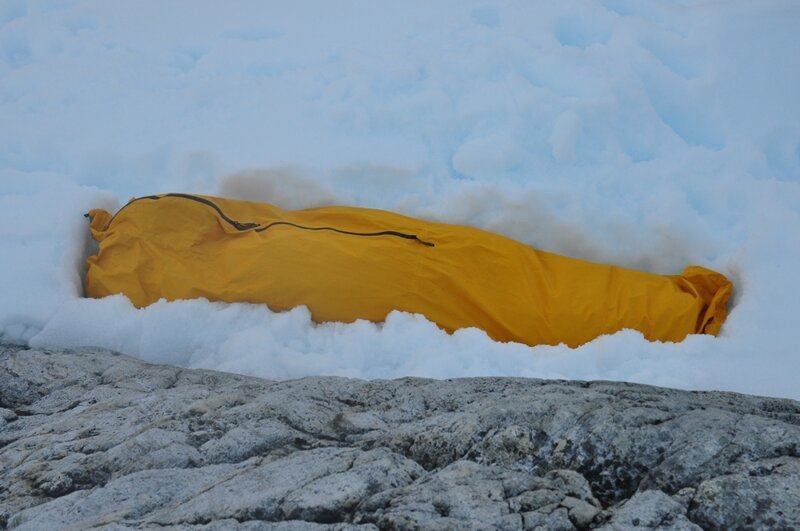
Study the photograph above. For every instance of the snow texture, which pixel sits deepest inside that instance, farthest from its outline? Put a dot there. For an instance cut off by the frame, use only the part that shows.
(647, 134)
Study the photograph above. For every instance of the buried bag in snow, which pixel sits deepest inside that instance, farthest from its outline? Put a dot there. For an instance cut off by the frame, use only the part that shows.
(348, 263)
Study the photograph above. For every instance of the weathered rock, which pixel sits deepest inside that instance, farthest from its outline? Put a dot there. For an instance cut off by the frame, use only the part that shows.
(766, 494)
(93, 438)
(651, 509)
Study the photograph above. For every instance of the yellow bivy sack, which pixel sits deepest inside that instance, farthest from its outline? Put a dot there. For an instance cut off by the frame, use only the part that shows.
(347, 263)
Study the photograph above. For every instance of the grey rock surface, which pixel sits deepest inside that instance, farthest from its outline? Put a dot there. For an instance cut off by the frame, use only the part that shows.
(90, 438)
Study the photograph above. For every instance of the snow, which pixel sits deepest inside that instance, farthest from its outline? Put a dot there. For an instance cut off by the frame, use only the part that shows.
(648, 134)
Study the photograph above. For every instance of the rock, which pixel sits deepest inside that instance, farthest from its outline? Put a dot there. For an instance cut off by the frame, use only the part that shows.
(651, 509)
(462, 495)
(89, 438)
(684, 497)
(580, 513)
(766, 494)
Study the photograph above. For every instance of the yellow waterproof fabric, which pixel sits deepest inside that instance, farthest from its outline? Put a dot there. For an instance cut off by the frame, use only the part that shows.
(354, 263)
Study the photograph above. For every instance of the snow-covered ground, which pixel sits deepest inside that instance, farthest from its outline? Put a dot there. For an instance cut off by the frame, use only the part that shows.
(649, 134)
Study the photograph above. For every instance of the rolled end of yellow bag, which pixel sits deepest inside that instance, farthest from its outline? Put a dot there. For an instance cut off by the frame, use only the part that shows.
(99, 220)
(714, 291)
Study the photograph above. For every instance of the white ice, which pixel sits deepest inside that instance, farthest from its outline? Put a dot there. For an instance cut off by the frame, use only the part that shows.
(649, 134)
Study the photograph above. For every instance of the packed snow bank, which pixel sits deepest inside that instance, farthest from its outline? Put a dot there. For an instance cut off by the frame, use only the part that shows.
(44, 244)
(645, 134)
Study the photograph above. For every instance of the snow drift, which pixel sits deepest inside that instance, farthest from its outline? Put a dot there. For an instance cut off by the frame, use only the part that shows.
(645, 134)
